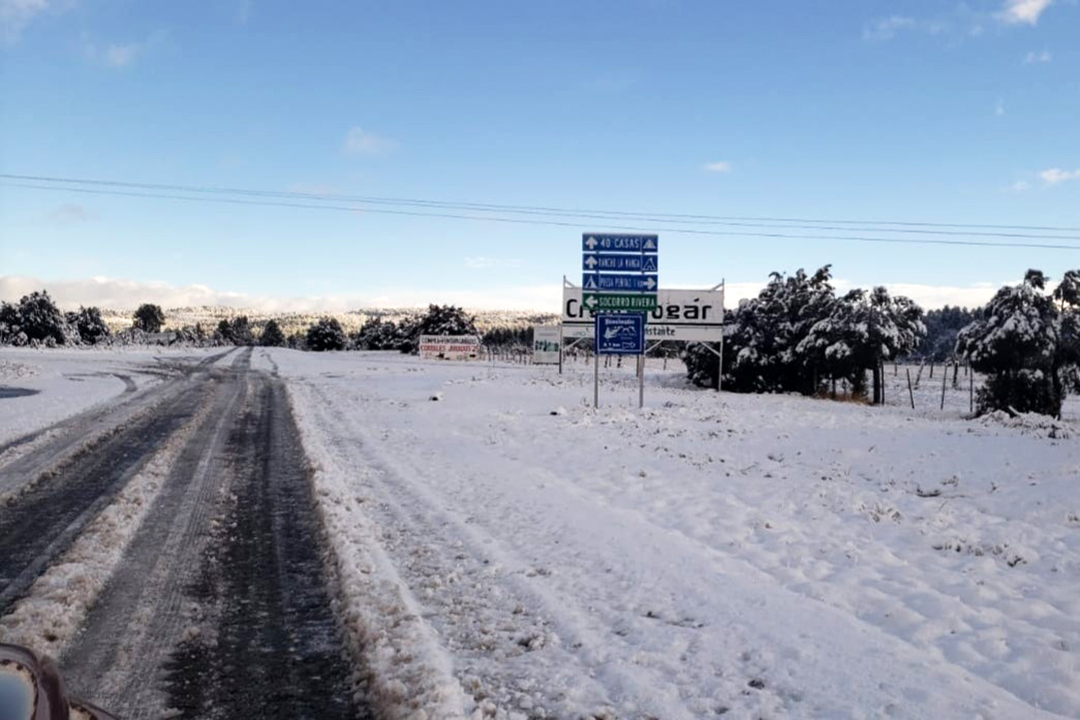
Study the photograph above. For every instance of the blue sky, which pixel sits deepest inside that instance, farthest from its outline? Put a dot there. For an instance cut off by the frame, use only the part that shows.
(915, 111)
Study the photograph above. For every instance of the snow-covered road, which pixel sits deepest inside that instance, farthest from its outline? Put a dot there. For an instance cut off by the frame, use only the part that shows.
(506, 551)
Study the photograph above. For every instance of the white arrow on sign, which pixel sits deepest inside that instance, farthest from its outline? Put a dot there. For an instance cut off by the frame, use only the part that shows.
(591, 243)
(650, 283)
(650, 245)
(589, 303)
(591, 261)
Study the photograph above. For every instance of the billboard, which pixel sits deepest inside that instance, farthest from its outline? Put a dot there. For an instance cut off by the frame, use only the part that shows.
(546, 344)
(449, 347)
(692, 315)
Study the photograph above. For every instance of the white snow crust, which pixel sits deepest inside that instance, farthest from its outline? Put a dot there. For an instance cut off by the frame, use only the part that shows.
(509, 552)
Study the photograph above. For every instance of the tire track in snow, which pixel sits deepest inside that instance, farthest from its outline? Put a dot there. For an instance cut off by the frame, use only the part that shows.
(218, 609)
(436, 548)
(46, 517)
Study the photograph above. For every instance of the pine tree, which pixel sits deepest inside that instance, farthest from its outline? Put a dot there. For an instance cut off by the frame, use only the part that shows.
(40, 319)
(90, 325)
(1023, 345)
(149, 318)
(326, 334)
(240, 331)
(863, 330)
(11, 325)
(272, 335)
(225, 332)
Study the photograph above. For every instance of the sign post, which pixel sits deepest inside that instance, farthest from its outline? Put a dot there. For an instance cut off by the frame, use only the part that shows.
(619, 285)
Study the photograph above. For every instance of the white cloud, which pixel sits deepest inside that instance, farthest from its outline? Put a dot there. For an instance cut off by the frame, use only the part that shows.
(930, 297)
(116, 55)
(927, 296)
(15, 15)
(720, 166)
(1020, 186)
(119, 56)
(1053, 176)
(886, 28)
(1034, 57)
(360, 142)
(70, 213)
(1016, 12)
(118, 294)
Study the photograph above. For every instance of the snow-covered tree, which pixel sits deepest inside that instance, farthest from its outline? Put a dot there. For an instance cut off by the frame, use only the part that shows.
(1025, 343)
(223, 334)
(763, 337)
(149, 318)
(326, 334)
(11, 325)
(40, 319)
(240, 331)
(378, 334)
(272, 335)
(89, 325)
(438, 320)
(942, 327)
(1067, 296)
(863, 330)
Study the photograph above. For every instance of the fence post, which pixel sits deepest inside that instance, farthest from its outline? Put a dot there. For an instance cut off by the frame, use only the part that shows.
(944, 377)
(909, 391)
(971, 390)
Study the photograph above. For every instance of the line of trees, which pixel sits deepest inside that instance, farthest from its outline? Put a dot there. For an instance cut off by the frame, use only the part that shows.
(36, 321)
(943, 326)
(798, 336)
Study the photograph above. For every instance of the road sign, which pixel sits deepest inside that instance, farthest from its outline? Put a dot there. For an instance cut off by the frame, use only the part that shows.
(449, 347)
(620, 333)
(546, 344)
(619, 283)
(613, 262)
(692, 315)
(595, 302)
(598, 242)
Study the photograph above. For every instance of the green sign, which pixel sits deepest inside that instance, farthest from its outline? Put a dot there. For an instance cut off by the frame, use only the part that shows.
(613, 301)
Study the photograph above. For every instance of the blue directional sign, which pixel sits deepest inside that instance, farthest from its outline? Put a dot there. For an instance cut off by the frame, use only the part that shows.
(620, 333)
(619, 283)
(606, 242)
(620, 263)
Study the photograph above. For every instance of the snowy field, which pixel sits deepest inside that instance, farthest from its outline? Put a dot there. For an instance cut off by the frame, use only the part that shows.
(41, 387)
(502, 550)
(506, 551)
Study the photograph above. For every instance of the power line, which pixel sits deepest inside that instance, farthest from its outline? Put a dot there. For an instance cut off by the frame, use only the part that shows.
(908, 227)
(550, 223)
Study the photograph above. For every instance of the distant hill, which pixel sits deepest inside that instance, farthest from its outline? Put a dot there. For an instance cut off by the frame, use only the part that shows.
(210, 315)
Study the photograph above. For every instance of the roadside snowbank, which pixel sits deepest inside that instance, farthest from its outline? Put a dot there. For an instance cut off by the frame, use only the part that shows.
(405, 672)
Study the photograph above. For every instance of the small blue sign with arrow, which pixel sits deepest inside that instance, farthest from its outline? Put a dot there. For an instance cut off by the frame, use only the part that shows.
(597, 242)
(599, 282)
(612, 262)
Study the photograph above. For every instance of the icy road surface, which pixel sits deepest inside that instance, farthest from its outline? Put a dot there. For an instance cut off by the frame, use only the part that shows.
(166, 548)
(503, 550)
